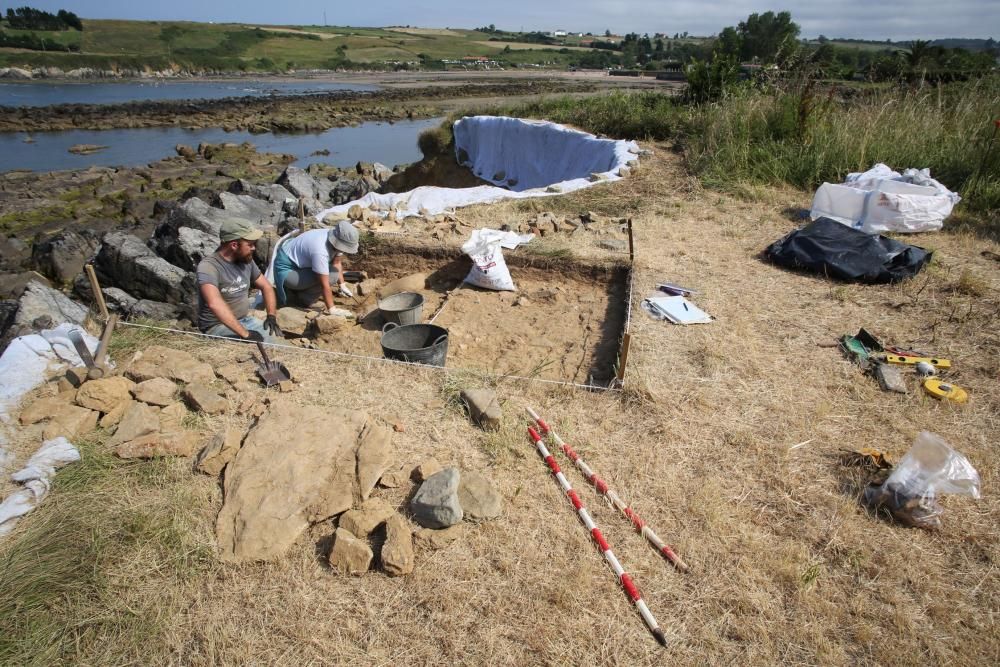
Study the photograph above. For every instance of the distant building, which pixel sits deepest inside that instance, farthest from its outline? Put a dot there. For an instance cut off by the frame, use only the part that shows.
(558, 33)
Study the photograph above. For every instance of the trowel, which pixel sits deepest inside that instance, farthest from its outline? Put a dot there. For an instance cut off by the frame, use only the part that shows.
(271, 372)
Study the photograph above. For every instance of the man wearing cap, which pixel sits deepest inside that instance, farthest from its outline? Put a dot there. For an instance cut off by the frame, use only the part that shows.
(224, 281)
(302, 265)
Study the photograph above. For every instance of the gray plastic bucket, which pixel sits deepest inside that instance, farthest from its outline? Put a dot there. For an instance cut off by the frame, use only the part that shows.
(402, 308)
(416, 343)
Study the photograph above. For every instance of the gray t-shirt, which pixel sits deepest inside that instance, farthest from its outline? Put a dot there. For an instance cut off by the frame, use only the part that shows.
(233, 280)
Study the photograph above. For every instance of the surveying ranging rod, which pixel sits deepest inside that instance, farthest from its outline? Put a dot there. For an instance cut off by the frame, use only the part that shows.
(623, 578)
(602, 487)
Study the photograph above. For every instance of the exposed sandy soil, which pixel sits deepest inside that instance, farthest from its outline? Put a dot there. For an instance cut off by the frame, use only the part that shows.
(726, 441)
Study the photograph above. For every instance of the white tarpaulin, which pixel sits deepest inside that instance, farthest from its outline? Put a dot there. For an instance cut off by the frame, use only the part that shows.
(882, 200)
(531, 158)
(36, 477)
(29, 360)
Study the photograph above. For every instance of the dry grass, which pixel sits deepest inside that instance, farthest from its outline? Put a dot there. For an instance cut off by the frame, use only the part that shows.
(787, 567)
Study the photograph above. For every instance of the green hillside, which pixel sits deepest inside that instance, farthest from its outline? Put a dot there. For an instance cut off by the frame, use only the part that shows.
(110, 44)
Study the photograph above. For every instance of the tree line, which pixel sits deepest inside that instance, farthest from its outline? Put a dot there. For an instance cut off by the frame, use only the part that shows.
(28, 18)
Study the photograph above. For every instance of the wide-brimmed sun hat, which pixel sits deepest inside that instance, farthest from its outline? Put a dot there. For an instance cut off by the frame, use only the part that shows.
(344, 237)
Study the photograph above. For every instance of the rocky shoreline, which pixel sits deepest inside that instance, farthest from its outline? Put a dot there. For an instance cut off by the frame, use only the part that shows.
(288, 113)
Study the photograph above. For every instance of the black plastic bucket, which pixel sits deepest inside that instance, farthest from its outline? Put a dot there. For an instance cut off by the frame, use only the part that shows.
(417, 343)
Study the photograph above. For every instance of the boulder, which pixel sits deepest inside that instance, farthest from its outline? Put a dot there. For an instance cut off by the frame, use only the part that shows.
(478, 498)
(301, 184)
(349, 555)
(157, 361)
(431, 538)
(13, 284)
(183, 246)
(274, 492)
(484, 408)
(118, 300)
(156, 310)
(435, 504)
(197, 214)
(61, 257)
(411, 283)
(393, 479)
(397, 552)
(39, 307)
(155, 445)
(274, 193)
(349, 189)
(260, 212)
(219, 451)
(363, 520)
(105, 394)
(124, 261)
(157, 391)
(328, 324)
(203, 399)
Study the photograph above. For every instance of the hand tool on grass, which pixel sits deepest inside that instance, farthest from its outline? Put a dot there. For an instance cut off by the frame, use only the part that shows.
(602, 487)
(623, 578)
(271, 372)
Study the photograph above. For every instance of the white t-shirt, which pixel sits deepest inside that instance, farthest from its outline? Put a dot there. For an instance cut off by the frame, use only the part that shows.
(310, 250)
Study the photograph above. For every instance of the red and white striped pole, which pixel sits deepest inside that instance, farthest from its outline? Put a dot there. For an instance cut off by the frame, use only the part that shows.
(623, 578)
(602, 487)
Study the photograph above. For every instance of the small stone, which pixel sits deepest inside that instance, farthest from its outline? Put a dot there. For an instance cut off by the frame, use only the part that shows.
(232, 374)
(478, 498)
(425, 470)
(363, 520)
(105, 394)
(203, 399)
(484, 408)
(399, 427)
(245, 386)
(138, 420)
(349, 555)
(219, 451)
(70, 422)
(172, 417)
(158, 391)
(397, 552)
(328, 324)
(292, 321)
(522, 301)
(155, 445)
(115, 416)
(41, 409)
(435, 504)
(393, 479)
(286, 386)
(431, 538)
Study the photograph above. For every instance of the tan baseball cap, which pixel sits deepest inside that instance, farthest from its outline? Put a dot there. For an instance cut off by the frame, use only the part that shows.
(235, 229)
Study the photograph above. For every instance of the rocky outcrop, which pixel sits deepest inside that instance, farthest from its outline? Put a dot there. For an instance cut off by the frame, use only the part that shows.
(199, 215)
(124, 261)
(61, 257)
(301, 184)
(259, 211)
(39, 307)
(183, 246)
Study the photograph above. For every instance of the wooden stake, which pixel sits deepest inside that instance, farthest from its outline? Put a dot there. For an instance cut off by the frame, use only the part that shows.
(631, 243)
(623, 356)
(98, 295)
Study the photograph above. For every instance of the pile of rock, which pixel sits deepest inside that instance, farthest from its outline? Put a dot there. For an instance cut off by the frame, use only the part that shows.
(143, 409)
(588, 222)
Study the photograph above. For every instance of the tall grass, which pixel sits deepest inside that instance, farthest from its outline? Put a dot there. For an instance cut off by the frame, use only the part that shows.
(799, 135)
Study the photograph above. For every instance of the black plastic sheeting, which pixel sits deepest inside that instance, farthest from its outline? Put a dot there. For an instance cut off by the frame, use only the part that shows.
(838, 251)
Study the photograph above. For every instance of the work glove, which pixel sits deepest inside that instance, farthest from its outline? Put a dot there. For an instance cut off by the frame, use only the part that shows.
(344, 291)
(253, 336)
(271, 326)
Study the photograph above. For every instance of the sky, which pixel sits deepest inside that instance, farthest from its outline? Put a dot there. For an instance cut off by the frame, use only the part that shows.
(863, 19)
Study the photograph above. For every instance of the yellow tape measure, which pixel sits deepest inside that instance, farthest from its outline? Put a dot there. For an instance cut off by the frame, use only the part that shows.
(945, 391)
(910, 361)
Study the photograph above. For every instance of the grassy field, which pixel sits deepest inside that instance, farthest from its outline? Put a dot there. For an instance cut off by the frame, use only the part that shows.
(193, 45)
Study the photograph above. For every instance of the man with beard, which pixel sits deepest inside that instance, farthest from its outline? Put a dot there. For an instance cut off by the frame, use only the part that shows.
(224, 281)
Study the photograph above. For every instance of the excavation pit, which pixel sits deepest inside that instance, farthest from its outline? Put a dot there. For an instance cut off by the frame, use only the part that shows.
(565, 322)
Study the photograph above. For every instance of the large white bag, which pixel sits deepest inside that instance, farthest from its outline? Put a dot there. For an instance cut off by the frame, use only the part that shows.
(489, 269)
(882, 200)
